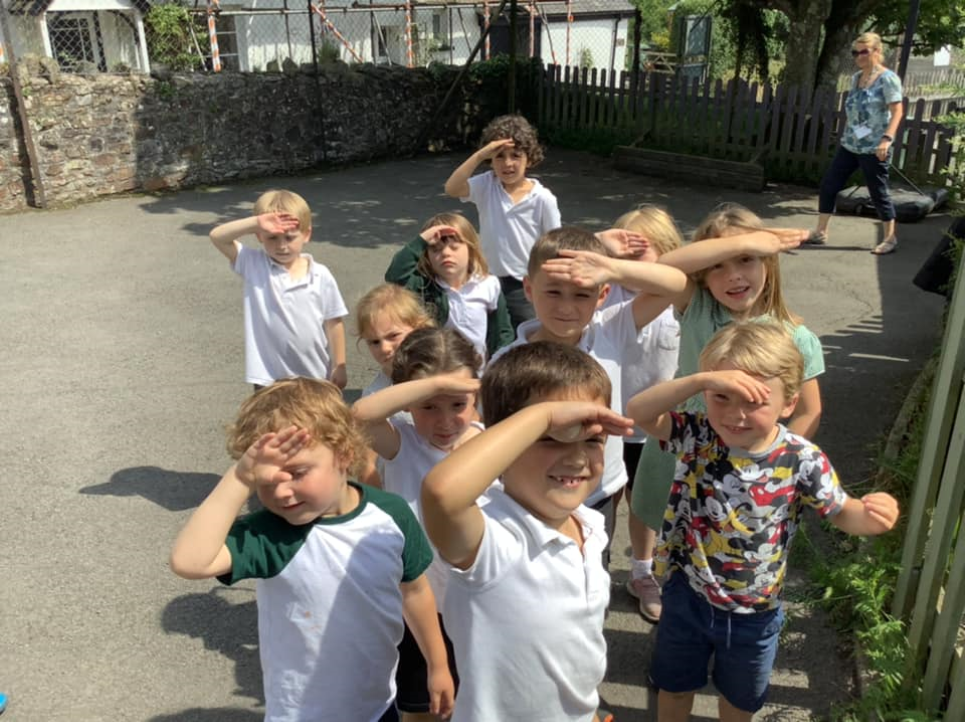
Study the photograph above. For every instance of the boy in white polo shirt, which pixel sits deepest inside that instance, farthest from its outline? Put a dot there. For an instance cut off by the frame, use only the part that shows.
(514, 210)
(527, 591)
(337, 564)
(293, 308)
(567, 280)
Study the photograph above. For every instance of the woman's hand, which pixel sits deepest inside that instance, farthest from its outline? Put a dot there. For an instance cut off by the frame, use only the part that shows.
(881, 152)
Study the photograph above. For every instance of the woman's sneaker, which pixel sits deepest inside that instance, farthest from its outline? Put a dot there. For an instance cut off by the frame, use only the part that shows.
(647, 592)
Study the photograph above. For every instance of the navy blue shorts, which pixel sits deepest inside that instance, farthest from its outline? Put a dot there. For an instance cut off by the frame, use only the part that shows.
(691, 632)
(412, 674)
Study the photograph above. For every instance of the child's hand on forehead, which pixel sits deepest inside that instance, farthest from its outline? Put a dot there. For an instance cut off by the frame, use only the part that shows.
(572, 421)
(275, 223)
(455, 384)
(491, 149)
(622, 243)
(435, 234)
(737, 382)
(264, 461)
(582, 268)
(771, 241)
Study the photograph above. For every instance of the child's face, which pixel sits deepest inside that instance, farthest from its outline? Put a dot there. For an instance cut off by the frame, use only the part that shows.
(384, 335)
(737, 283)
(743, 424)
(563, 309)
(552, 478)
(449, 258)
(442, 420)
(318, 487)
(509, 165)
(285, 248)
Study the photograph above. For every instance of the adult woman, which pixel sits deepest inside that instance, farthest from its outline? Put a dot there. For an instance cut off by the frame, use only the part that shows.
(874, 112)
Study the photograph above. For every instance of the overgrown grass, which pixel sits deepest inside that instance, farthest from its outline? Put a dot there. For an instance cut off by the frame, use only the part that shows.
(855, 583)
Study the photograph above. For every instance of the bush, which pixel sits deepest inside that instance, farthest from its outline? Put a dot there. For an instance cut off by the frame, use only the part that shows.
(170, 41)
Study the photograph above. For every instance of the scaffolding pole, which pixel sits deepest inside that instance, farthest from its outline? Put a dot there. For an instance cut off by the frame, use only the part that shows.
(213, 9)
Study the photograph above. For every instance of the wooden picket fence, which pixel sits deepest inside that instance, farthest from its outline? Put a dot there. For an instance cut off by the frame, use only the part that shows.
(791, 133)
(930, 591)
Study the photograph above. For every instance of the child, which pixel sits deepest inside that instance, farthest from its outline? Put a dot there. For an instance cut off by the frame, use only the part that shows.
(735, 275)
(527, 593)
(434, 379)
(293, 309)
(446, 268)
(383, 318)
(337, 564)
(513, 210)
(651, 358)
(567, 281)
(741, 484)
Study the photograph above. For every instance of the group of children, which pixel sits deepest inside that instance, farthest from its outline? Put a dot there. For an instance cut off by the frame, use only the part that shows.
(528, 375)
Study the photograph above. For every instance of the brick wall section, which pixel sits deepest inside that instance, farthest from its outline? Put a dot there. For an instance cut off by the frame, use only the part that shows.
(104, 134)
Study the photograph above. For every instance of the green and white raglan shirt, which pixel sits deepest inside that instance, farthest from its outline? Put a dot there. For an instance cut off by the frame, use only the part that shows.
(329, 605)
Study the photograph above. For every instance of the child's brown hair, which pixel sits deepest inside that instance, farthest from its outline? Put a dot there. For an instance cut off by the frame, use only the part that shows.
(728, 219)
(567, 238)
(468, 235)
(518, 129)
(282, 201)
(310, 404)
(529, 373)
(655, 224)
(430, 352)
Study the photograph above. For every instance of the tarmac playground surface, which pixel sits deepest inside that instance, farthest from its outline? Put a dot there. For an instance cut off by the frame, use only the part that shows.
(122, 360)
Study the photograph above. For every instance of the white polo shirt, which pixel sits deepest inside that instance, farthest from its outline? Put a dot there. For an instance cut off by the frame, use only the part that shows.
(526, 619)
(404, 475)
(284, 335)
(507, 230)
(606, 338)
(470, 306)
(651, 356)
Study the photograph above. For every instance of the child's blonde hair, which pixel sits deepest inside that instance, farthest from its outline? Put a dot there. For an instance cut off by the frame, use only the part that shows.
(477, 261)
(655, 223)
(309, 404)
(517, 129)
(723, 221)
(759, 348)
(398, 302)
(282, 201)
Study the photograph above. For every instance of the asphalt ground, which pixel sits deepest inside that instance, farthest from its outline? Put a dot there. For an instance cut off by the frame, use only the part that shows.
(122, 360)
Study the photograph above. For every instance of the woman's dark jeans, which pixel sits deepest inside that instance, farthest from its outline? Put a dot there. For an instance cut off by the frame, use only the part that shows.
(875, 174)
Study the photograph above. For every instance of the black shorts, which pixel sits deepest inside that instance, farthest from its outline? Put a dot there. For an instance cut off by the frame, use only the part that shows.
(412, 676)
(631, 460)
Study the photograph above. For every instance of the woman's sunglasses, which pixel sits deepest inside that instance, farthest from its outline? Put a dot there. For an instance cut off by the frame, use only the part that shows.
(856, 53)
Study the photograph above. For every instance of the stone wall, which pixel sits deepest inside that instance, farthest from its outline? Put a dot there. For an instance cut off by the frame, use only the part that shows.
(102, 134)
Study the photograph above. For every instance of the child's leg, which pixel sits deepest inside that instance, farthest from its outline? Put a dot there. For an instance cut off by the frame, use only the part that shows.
(641, 584)
(745, 646)
(729, 713)
(674, 706)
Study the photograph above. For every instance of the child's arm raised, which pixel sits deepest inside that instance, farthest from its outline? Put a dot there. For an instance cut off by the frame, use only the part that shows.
(457, 186)
(453, 521)
(375, 410)
(699, 255)
(656, 285)
(650, 409)
(404, 267)
(224, 236)
(873, 514)
(421, 614)
(199, 551)
(335, 333)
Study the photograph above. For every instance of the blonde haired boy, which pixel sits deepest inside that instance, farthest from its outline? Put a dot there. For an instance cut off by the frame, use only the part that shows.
(337, 564)
(741, 484)
(293, 308)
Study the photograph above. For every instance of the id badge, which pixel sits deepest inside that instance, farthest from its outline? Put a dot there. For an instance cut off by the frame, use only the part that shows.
(861, 131)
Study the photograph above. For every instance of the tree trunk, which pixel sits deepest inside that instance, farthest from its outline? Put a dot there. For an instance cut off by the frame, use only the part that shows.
(804, 43)
(835, 56)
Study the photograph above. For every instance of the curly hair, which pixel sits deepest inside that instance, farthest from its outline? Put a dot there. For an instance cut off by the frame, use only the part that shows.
(520, 131)
(309, 404)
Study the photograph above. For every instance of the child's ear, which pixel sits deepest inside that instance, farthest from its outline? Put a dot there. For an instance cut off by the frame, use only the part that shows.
(308, 234)
(604, 292)
(344, 461)
(790, 406)
(528, 288)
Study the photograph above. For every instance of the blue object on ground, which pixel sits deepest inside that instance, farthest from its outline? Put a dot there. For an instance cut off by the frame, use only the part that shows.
(3, 702)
